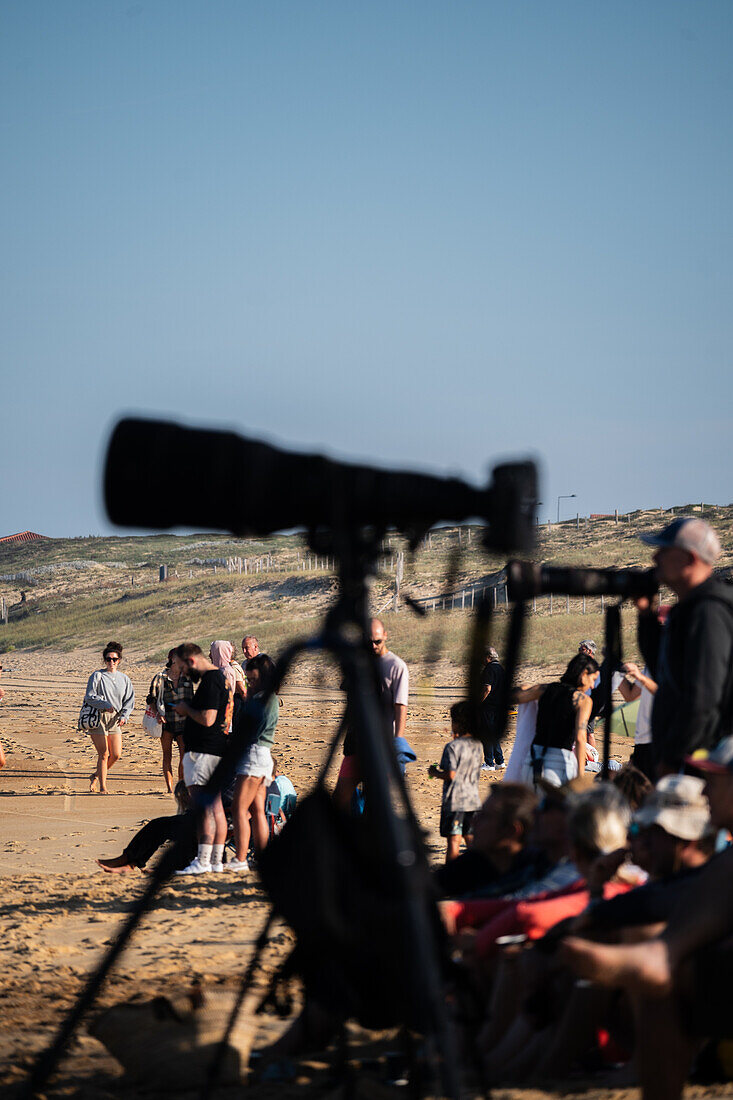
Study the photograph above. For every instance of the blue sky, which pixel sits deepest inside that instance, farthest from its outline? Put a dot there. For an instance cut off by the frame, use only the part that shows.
(424, 234)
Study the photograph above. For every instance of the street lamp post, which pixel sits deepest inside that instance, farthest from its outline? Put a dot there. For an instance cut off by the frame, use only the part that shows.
(563, 496)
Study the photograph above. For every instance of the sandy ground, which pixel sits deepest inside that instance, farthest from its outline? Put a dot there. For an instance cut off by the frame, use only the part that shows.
(60, 911)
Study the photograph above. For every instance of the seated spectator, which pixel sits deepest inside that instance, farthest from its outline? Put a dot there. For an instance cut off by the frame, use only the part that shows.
(284, 789)
(180, 827)
(598, 823)
(500, 831)
(633, 784)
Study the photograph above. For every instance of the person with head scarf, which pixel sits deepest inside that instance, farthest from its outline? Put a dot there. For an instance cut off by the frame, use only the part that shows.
(220, 654)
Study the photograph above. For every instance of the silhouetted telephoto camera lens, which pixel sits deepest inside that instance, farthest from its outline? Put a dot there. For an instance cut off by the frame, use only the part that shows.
(297, 490)
(526, 579)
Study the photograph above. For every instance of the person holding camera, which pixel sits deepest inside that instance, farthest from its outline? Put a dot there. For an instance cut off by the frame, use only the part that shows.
(691, 657)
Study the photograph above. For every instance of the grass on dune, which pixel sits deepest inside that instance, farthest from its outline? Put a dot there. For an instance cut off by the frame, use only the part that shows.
(82, 591)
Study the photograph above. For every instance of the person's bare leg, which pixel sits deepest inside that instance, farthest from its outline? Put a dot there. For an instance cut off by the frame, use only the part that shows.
(504, 1002)
(702, 916)
(181, 751)
(116, 865)
(512, 1043)
(575, 1033)
(260, 831)
(639, 967)
(114, 743)
(244, 795)
(98, 778)
(166, 745)
(663, 1049)
(453, 848)
(220, 821)
(520, 1067)
(343, 792)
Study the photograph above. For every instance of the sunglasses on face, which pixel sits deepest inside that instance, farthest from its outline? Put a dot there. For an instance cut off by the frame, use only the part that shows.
(112, 659)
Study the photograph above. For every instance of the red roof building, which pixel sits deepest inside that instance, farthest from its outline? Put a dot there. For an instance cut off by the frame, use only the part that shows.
(24, 536)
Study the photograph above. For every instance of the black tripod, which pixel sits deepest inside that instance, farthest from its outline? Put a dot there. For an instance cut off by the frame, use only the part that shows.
(346, 510)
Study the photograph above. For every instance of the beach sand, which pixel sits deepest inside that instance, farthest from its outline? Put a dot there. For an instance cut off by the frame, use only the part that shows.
(60, 912)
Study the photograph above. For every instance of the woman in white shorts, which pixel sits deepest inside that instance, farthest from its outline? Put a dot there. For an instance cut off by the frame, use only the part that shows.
(111, 693)
(557, 753)
(254, 770)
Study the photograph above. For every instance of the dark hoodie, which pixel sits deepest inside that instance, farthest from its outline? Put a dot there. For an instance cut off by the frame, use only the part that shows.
(691, 659)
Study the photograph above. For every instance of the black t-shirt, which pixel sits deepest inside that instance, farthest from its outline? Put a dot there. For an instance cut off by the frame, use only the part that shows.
(211, 694)
(556, 717)
(473, 872)
(492, 675)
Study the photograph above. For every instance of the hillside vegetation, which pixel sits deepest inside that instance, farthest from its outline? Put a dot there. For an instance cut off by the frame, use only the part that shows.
(79, 592)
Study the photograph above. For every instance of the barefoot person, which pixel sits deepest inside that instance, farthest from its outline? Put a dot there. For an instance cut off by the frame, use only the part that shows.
(111, 693)
(178, 827)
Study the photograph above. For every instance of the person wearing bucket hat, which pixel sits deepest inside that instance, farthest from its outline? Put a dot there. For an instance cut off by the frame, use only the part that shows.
(691, 658)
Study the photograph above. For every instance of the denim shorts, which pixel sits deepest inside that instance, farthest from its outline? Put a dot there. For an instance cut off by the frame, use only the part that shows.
(558, 766)
(257, 762)
(198, 768)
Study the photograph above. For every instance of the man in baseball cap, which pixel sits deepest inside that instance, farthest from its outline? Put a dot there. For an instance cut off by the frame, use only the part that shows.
(693, 706)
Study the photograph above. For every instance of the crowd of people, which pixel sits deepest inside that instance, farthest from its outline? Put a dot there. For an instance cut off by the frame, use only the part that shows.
(591, 913)
(196, 702)
(594, 918)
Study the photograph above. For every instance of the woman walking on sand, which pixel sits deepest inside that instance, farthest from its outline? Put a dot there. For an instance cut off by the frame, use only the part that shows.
(111, 693)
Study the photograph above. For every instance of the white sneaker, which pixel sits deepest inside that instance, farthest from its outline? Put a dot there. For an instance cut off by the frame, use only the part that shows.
(237, 865)
(500, 766)
(488, 768)
(195, 868)
(218, 867)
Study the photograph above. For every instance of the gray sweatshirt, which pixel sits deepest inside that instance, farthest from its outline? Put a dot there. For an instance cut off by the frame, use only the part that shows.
(111, 691)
